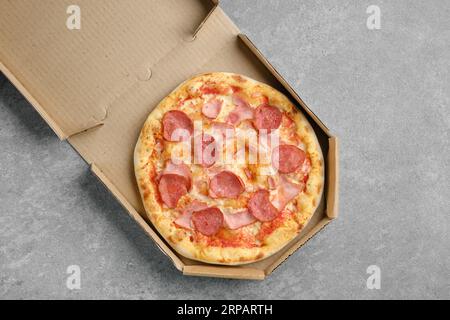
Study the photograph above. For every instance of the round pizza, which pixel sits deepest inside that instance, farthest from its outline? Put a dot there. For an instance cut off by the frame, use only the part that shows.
(229, 170)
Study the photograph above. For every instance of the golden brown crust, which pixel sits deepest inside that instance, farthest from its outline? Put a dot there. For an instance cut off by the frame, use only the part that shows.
(247, 244)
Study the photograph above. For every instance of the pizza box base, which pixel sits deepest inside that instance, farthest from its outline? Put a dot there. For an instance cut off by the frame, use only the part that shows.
(96, 86)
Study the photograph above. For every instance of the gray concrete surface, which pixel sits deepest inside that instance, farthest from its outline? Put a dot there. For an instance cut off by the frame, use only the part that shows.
(385, 93)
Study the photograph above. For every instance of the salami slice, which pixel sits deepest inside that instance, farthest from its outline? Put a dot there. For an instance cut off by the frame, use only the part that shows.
(180, 169)
(287, 158)
(260, 206)
(171, 188)
(267, 117)
(226, 185)
(177, 126)
(207, 221)
(205, 150)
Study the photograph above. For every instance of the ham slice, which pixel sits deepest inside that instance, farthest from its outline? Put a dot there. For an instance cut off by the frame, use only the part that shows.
(306, 167)
(212, 108)
(242, 111)
(271, 183)
(184, 220)
(238, 220)
(285, 192)
(223, 133)
(248, 173)
(223, 129)
(205, 150)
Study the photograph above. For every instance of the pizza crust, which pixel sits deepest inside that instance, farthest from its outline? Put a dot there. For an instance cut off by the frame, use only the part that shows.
(146, 169)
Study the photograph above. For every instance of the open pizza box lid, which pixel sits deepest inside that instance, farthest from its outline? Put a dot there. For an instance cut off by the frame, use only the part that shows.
(96, 86)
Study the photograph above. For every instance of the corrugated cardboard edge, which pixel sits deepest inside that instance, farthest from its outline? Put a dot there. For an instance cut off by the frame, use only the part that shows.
(215, 6)
(137, 217)
(220, 272)
(29, 97)
(332, 188)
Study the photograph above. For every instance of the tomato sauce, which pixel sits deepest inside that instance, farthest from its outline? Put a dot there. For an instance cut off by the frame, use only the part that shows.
(268, 227)
(228, 239)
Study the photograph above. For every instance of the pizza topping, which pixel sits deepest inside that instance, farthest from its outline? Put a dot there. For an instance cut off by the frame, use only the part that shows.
(285, 192)
(222, 127)
(226, 185)
(177, 126)
(262, 97)
(260, 206)
(238, 220)
(236, 89)
(207, 221)
(267, 117)
(242, 111)
(184, 220)
(222, 130)
(205, 150)
(171, 188)
(287, 121)
(248, 173)
(159, 146)
(271, 183)
(287, 158)
(212, 108)
(306, 167)
(180, 169)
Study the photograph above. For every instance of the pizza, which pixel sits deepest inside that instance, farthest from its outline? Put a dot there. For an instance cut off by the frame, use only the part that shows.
(229, 170)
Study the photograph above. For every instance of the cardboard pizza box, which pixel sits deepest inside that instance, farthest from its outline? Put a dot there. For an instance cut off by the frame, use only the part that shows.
(95, 87)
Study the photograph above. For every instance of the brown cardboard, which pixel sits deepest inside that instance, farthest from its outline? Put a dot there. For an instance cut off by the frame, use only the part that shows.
(96, 86)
